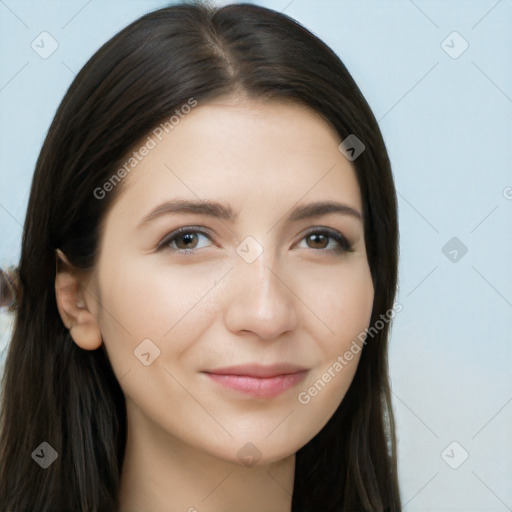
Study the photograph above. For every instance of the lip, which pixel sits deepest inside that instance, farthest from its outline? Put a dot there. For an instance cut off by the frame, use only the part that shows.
(257, 380)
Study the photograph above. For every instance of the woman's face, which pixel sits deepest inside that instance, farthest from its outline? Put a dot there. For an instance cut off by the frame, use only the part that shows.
(226, 336)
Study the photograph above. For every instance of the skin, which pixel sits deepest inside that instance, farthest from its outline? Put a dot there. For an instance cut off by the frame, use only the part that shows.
(298, 302)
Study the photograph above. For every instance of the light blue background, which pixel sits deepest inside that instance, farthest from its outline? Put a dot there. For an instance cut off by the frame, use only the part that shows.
(447, 125)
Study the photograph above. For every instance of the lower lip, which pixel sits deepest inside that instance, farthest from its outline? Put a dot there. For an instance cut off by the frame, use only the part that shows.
(267, 387)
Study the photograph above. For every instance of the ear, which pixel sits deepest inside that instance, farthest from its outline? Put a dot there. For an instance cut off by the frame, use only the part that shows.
(74, 305)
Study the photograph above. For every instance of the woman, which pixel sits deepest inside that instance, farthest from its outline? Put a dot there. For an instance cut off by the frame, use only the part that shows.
(208, 267)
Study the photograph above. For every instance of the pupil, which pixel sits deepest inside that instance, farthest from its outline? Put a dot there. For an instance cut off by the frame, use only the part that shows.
(188, 239)
(318, 239)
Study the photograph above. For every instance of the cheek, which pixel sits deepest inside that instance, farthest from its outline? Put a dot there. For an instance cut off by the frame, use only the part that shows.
(342, 303)
(140, 301)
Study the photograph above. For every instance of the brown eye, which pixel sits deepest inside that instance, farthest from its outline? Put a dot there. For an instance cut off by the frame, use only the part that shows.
(327, 240)
(318, 241)
(185, 240)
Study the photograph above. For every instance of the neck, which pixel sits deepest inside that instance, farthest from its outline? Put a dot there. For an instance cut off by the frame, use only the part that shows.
(162, 474)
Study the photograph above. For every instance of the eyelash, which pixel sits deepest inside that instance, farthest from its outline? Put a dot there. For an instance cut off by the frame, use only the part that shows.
(343, 244)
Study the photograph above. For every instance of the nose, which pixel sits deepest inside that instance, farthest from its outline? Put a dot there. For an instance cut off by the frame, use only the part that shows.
(260, 300)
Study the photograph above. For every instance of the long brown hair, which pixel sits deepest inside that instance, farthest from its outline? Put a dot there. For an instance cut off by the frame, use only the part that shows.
(55, 392)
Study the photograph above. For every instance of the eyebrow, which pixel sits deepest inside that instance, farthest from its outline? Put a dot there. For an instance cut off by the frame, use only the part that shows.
(226, 213)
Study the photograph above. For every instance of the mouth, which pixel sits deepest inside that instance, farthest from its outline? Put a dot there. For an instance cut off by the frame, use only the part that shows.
(259, 381)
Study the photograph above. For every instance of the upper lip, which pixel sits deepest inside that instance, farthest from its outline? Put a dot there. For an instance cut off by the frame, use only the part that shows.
(258, 370)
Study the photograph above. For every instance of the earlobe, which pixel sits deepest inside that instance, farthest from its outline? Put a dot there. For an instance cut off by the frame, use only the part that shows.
(72, 305)
(86, 334)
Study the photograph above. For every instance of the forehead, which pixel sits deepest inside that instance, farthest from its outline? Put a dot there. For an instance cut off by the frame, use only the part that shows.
(246, 152)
